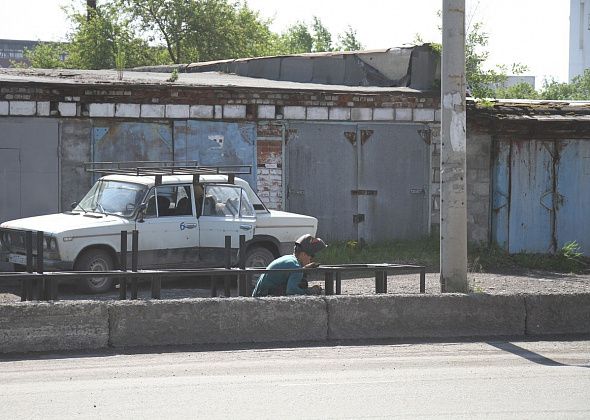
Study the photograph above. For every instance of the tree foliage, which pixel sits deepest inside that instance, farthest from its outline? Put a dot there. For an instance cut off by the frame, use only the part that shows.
(316, 37)
(97, 41)
(297, 39)
(202, 30)
(322, 38)
(131, 33)
(577, 90)
(348, 40)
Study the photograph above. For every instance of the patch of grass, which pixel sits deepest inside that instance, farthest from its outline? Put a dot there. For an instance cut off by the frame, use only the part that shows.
(422, 252)
(426, 252)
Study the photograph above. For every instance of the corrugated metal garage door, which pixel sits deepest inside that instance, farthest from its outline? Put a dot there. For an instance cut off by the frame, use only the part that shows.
(29, 156)
(362, 181)
(114, 141)
(216, 143)
(541, 195)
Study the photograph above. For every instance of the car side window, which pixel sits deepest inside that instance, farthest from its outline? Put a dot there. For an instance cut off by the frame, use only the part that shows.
(169, 200)
(226, 200)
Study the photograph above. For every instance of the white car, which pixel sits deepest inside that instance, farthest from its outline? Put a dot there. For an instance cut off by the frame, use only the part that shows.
(182, 222)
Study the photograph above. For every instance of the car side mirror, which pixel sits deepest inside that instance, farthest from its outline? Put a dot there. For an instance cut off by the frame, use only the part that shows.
(73, 205)
(141, 212)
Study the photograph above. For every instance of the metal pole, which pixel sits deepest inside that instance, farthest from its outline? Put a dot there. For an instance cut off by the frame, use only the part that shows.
(156, 287)
(242, 278)
(377, 281)
(134, 258)
(329, 283)
(123, 266)
(338, 282)
(28, 283)
(453, 197)
(423, 280)
(39, 286)
(227, 278)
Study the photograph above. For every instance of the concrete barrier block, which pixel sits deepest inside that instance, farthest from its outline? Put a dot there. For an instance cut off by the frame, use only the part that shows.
(177, 111)
(339, 113)
(361, 114)
(424, 114)
(201, 111)
(295, 112)
(23, 107)
(127, 110)
(43, 108)
(67, 109)
(266, 112)
(234, 111)
(317, 113)
(32, 326)
(215, 321)
(101, 110)
(403, 114)
(558, 314)
(153, 111)
(424, 316)
(383, 114)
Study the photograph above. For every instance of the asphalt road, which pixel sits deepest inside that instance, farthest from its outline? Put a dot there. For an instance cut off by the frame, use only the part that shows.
(443, 380)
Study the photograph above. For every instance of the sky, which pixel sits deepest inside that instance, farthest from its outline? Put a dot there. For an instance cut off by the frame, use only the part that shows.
(531, 32)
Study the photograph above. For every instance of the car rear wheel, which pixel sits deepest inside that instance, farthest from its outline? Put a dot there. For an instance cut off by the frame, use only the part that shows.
(258, 256)
(95, 260)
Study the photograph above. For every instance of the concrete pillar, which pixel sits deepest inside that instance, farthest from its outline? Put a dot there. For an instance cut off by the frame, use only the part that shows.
(453, 205)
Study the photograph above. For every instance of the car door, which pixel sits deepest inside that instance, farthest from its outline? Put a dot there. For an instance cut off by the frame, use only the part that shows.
(226, 211)
(169, 233)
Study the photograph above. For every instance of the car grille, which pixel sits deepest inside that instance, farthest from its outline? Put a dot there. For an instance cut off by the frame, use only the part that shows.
(14, 241)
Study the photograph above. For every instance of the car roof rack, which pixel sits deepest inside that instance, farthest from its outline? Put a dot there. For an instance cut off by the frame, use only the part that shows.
(164, 167)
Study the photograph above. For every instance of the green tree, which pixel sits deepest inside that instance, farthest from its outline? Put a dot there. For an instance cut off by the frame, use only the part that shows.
(102, 39)
(202, 30)
(348, 41)
(296, 40)
(481, 81)
(519, 91)
(577, 90)
(322, 38)
(46, 55)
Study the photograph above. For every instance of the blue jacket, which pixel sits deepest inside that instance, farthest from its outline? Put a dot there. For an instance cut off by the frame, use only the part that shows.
(289, 281)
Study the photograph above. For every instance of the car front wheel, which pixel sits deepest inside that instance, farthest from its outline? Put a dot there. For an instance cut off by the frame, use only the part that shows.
(95, 260)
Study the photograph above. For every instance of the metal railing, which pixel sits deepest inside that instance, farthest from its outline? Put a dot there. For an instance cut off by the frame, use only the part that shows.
(37, 284)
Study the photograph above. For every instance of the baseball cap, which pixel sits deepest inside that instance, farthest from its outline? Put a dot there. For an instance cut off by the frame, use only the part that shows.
(310, 245)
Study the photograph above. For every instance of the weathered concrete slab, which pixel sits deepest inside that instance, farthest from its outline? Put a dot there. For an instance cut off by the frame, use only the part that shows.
(58, 326)
(558, 314)
(414, 316)
(212, 321)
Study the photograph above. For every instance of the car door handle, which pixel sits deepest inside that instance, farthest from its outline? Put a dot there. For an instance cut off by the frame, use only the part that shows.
(245, 227)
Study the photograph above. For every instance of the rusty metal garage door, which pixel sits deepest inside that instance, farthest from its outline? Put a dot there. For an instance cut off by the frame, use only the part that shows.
(216, 143)
(114, 141)
(362, 181)
(541, 195)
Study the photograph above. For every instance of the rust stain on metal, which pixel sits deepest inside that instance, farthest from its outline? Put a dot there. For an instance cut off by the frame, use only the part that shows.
(350, 136)
(366, 135)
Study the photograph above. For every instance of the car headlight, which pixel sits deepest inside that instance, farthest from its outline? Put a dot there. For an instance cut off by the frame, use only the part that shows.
(49, 244)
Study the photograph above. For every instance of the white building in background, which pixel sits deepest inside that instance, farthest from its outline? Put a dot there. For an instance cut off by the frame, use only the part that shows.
(579, 37)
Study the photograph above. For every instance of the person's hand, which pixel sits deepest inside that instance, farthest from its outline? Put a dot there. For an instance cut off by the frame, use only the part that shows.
(315, 290)
(312, 265)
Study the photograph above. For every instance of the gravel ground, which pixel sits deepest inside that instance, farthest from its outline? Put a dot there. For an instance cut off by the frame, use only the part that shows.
(492, 283)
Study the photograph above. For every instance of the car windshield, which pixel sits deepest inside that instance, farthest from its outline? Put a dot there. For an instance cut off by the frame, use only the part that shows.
(113, 197)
